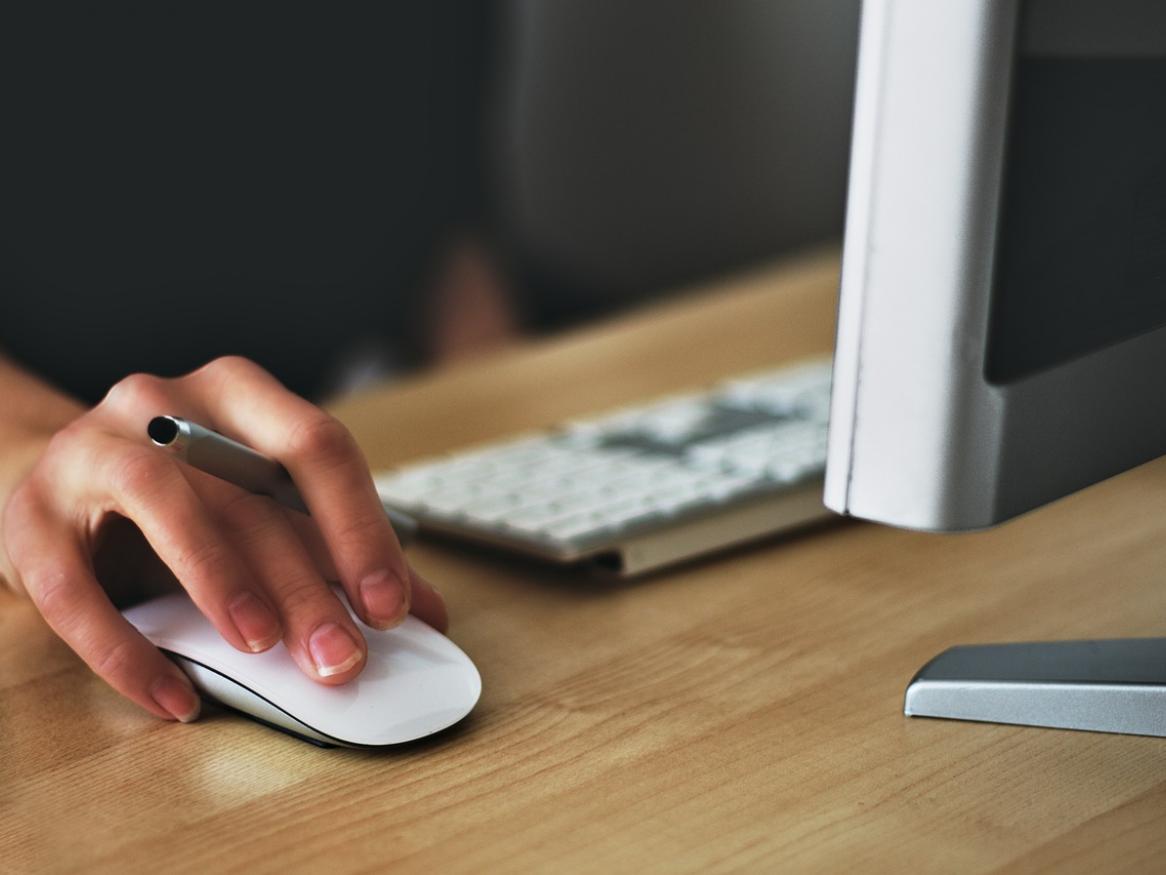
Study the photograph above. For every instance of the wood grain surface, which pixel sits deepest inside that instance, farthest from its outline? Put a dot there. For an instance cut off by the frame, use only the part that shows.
(739, 714)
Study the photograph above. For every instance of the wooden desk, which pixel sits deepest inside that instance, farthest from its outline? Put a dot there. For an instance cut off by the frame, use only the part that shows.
(741, 714)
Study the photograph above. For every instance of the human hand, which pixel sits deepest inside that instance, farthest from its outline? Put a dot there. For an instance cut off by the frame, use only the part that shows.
(256, 570)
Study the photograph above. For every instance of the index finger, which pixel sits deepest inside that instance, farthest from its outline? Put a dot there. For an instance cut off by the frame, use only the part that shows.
(331, 473)
(60, 581)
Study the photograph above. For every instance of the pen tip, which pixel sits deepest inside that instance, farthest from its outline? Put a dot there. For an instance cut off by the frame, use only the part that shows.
(162, 430)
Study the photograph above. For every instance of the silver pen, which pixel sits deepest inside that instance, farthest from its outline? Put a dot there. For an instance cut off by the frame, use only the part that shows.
(218, 455)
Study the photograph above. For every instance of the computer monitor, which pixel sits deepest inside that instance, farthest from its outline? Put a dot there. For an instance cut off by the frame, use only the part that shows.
(1002, 320)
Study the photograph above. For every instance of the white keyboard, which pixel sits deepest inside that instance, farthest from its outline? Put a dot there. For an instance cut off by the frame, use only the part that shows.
(641, 487)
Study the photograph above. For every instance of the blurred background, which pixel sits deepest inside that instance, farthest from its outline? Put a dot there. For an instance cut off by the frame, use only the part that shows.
(347, 193)
(639, 146)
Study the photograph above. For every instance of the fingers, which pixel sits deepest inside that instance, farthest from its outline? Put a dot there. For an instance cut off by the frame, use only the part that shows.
(57, 575)
(239, 556)
(331, 474)
(319, 632)
(427, 602)
(149, 488)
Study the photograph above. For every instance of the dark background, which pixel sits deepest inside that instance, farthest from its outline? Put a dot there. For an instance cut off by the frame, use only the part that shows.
(179, 182)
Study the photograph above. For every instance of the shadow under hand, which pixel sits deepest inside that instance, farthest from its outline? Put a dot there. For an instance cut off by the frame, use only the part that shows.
(126, 566)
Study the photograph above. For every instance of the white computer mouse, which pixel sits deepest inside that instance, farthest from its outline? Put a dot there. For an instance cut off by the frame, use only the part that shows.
(416, 681)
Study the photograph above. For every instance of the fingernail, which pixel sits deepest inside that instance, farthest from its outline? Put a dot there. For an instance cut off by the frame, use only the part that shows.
(385, 599)
(333, 650)
(176, 697)
(255, 621)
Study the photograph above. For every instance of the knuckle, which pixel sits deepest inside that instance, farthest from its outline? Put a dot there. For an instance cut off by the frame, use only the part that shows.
(140, 472)
(136, 392)
(209, 560)
(51, 591)
(321, 438)
(247, 508)
(362, 529)
(223, 367)
(61, 443)
(251, 517)
(304, 595)
(66, 465)
(73, 442)
(116, 662)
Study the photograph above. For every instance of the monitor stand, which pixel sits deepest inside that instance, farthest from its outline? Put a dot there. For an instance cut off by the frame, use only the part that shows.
(1101, 686)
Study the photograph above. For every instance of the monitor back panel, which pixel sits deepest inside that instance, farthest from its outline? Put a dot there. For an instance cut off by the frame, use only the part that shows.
(1002, 325)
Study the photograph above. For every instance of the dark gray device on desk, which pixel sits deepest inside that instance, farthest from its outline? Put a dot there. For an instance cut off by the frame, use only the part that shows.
(1002, 324)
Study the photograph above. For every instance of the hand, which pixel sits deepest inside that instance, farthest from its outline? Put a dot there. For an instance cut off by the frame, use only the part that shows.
(256, 570)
